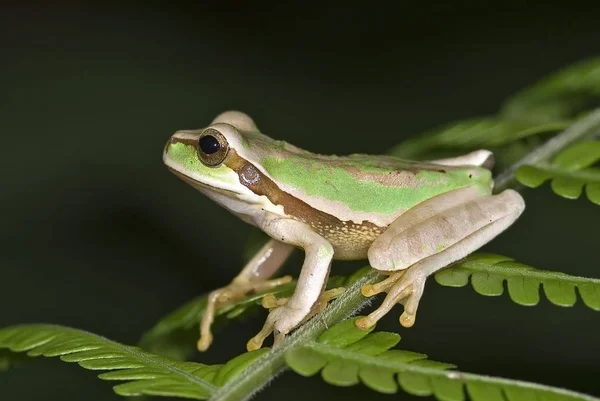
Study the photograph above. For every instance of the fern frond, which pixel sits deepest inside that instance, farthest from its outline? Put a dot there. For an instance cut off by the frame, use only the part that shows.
(143, 372)
(569, 172)
(176, 334)
(548, 106)
(346, 356)
(461, 136)
(488, 272)
(566, 94)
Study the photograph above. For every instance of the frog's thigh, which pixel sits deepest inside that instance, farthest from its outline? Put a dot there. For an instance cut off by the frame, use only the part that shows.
(434, 234)
(454, 224)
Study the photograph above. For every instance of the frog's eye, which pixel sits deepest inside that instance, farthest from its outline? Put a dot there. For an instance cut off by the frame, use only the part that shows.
(212, 147)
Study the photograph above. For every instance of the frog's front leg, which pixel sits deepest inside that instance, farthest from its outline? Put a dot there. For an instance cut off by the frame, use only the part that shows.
(253, 278)
(430, 236)
(310, 284)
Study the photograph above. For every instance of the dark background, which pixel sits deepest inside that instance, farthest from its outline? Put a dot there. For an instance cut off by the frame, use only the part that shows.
(98, 235)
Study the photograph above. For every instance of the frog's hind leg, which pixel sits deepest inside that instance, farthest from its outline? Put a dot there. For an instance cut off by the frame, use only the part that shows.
(253, 278)
(430, 236)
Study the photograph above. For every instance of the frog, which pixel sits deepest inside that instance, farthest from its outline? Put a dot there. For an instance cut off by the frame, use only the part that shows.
(407, 218)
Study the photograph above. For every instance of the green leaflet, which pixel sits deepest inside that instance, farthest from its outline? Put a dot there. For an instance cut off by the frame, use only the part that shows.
(346, 356)
(569, 172)
(176, 334)
(147, 374)
(565, 94)
(336, 368)
(489, 271)
(548, 106)
(143, 372)
(462, 136)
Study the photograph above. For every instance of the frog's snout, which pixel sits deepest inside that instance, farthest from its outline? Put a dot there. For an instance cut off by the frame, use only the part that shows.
(167, 145)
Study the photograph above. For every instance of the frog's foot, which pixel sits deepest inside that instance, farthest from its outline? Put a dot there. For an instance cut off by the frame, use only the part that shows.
(222, 297)
(402, 287)
(282, 319)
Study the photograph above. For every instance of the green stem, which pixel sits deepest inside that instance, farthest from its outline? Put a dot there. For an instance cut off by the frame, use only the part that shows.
(266, 368)
(586, 127)
(352, 301)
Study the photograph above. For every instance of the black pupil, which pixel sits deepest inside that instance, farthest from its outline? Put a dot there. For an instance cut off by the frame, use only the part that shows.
(209, 144)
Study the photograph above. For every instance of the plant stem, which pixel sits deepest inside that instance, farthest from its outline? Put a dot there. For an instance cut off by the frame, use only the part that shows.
(586, 127)
(265, 369)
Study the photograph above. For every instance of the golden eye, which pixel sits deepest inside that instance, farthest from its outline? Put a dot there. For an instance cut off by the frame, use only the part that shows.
(212, 147)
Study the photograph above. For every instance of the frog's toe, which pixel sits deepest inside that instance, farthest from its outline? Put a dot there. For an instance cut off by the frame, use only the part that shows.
(407, 319)
(411, 302)
(401, 288)
(324, 299)
(270, 301)
(365, 322)
(271, 284)
(368, 290)
(257, 341)
(204, 342)
(278, 337)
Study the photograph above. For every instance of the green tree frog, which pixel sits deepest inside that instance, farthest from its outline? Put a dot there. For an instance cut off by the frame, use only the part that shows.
(407, 218)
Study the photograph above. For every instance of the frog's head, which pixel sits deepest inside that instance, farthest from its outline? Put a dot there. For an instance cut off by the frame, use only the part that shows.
(219, 159)
(199, 157)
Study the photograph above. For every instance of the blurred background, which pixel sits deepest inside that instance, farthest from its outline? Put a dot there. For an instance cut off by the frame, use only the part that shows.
(98, 235)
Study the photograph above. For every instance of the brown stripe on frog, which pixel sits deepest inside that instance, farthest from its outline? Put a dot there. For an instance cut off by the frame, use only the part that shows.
(186, 141)
(349, 240)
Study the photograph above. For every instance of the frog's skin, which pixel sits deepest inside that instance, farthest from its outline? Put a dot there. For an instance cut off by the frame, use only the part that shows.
(409, 219)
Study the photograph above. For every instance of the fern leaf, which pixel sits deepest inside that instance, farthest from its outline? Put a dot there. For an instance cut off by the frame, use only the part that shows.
(488, 272)
(548, 106)
(563, 95)
(143, 372)
(569, 172)
(346, 356)
(466, 135)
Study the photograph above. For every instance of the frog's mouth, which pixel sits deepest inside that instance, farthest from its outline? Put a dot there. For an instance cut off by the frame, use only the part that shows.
(200, 186)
